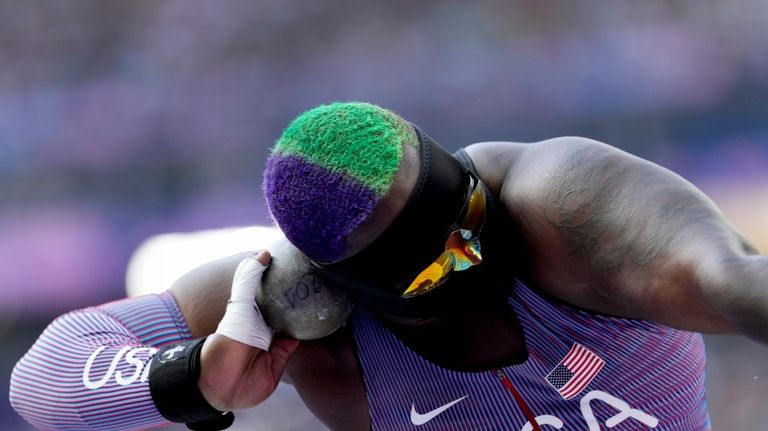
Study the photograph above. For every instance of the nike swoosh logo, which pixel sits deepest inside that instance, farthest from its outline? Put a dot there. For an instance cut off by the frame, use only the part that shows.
(420, 419)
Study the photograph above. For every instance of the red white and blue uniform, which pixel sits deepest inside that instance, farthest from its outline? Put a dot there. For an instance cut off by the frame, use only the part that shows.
(88, 370)
(651, 373)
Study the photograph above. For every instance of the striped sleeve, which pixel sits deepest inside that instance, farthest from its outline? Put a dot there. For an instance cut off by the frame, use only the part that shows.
(88, 370)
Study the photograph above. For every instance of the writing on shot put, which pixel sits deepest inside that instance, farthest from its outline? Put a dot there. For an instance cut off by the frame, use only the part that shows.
(295, 300)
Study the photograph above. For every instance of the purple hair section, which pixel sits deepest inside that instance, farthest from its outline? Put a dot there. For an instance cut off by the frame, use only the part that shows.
(314, 207)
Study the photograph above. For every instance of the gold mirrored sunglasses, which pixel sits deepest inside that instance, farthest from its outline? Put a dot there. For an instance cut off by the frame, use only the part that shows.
(462, 248)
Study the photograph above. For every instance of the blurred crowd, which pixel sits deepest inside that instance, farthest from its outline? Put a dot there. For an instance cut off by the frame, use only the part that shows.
(123, 120)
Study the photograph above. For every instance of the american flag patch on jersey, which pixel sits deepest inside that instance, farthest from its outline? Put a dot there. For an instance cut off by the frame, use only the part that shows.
(577, 369)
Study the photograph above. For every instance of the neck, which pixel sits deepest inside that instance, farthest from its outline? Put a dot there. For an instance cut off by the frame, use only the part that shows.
(483, 318)
(492, 339)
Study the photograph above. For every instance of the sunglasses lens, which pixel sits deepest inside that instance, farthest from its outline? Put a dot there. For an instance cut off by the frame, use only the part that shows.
(431, 277)
(475, 211)
(466, 255)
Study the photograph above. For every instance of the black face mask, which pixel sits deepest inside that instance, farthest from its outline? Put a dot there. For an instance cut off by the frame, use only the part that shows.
(379, 274)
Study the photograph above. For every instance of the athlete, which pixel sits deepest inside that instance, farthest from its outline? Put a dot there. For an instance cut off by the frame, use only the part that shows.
(511, 286)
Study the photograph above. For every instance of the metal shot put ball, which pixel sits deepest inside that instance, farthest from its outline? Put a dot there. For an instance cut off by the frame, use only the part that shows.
(295, 301)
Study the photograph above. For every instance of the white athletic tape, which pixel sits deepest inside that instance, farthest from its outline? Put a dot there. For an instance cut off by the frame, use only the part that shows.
(243, 321)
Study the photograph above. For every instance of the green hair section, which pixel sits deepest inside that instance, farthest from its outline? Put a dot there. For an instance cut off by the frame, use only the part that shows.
(361, 140)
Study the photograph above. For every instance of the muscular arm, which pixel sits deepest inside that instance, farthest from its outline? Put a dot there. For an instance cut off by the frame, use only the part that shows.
(89, 369)
(611, 232)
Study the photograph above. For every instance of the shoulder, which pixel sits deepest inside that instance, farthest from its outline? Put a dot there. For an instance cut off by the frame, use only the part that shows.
(515, 170)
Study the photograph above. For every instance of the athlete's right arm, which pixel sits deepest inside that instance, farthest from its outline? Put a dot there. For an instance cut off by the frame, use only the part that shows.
(89, 368)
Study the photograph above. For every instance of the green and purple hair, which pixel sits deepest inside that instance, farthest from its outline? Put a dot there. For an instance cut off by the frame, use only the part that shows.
(330, 168)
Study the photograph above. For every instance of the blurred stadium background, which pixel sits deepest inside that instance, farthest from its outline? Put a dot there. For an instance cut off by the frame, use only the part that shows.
(124, 120)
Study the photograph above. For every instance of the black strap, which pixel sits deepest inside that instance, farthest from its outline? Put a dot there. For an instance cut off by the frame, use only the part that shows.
(173, 376)
(462, 156)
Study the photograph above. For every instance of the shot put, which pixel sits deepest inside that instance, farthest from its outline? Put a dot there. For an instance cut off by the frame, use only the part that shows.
(294, 300)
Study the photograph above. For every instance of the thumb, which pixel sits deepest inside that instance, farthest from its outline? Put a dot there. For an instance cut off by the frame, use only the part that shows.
(247, 278)
(281, 350)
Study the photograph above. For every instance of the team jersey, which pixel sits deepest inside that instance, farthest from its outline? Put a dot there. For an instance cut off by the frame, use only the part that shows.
(583, 372)
(88, 369)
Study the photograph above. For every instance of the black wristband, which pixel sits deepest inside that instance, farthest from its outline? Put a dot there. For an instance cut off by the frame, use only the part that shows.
(173, 376)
